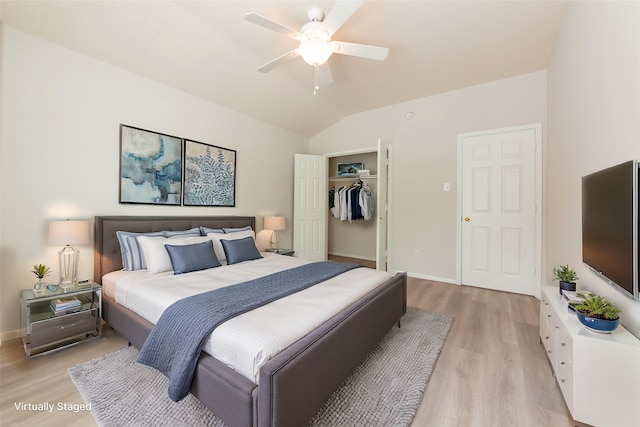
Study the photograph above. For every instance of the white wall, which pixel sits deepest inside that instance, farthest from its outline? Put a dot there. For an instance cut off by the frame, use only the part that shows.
(425, 157)
(594, 123)
(60, 153)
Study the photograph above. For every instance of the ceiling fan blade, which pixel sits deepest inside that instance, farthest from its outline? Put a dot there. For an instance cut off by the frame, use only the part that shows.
(325, 78)
(279, 60)
(341, 12)
(361, 50)
(273, 25)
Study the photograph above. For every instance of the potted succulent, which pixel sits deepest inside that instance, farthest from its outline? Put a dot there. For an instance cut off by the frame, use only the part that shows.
(567, 277)
(597, 313)
(40, 271)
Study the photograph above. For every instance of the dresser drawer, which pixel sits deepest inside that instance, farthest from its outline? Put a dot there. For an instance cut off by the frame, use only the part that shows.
(564, 375)
(63, 327)
(565, 343)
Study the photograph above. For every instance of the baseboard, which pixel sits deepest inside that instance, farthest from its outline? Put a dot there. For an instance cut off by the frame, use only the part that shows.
(428, 277)
(352, 256)
(8, 336)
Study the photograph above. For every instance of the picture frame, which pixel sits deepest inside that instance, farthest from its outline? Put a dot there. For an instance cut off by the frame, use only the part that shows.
(209, 175)
(150, 167)
(349, 169)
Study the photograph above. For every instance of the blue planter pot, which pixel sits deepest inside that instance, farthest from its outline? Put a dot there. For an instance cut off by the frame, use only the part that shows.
(598, 325)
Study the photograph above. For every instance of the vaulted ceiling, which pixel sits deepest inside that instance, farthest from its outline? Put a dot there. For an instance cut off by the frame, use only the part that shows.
(208, 49)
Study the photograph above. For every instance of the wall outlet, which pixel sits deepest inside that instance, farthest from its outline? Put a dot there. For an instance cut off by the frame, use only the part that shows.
(446, 187)
(417, 254)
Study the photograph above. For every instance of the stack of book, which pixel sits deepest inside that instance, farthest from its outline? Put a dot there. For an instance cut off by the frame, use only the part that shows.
(65, 305)
(572, 296)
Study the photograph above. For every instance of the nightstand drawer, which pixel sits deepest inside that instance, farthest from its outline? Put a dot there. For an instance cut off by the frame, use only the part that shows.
(64, 327)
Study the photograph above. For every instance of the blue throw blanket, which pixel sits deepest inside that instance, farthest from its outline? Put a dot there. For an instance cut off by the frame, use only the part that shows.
(175, 343)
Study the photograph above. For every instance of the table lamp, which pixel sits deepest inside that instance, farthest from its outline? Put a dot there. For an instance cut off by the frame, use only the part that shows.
(274, 223)
(68, 233)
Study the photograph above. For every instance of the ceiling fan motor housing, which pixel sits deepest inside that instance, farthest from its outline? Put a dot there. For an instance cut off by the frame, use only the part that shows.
(315, 14)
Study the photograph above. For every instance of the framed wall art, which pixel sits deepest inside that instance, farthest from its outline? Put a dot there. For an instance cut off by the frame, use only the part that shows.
(150, 167)
(209, 175)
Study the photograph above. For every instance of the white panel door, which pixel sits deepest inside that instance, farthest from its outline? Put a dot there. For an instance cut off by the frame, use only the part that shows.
(381, 207)
(310, 210)
(499, 210)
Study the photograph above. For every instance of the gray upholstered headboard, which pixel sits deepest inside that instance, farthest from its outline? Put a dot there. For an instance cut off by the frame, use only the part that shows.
(107, 256)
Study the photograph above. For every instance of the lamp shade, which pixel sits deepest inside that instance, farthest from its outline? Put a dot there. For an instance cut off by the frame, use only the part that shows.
(69, 232)
(275, 223)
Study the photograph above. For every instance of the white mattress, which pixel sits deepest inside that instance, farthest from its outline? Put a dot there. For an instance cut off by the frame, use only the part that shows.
(245, 342)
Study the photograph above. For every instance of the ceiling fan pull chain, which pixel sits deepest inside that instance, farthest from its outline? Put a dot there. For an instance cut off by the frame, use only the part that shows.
(315, 90)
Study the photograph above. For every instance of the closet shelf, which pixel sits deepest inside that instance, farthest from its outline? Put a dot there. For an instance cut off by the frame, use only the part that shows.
(351, 178)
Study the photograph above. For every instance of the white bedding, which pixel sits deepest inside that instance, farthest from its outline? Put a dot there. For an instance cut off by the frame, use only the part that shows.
(245, 342)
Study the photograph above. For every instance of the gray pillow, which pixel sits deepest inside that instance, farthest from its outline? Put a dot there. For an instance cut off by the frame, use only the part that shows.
(233, 230)
(183, 233)
(205, 230)
(240, 250)
(196, 257)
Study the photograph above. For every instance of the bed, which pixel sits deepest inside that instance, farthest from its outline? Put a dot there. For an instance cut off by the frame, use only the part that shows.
(294, 384)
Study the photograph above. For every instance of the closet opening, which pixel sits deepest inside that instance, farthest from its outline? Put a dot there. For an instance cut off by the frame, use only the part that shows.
(353, 199)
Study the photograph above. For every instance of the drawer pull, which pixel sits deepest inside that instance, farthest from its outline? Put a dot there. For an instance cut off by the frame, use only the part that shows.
(562, 381)
(564, 344)
(562, 363)
(73, 325)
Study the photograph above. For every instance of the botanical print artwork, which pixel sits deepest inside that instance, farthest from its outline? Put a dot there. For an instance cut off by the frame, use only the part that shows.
(150, 167)
(209, 175)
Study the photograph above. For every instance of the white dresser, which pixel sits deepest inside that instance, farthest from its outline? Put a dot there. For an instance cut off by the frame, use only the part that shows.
(599, 374)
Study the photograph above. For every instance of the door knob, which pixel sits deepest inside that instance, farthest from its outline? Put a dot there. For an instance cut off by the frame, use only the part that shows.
(467, 219)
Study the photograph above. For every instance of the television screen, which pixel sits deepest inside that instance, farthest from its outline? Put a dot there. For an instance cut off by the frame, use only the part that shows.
(610, 224)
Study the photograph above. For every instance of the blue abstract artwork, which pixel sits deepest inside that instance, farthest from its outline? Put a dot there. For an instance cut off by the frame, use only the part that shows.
(150, 167)
(209, 175)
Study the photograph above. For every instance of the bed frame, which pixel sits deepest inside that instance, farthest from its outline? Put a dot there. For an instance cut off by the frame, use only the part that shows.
(294, 384)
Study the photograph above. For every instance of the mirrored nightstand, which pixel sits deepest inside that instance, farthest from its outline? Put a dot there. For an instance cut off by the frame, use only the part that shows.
(44, 329)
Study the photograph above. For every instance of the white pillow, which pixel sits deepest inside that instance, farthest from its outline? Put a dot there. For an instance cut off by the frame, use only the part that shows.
(217, 241)
(155, 254)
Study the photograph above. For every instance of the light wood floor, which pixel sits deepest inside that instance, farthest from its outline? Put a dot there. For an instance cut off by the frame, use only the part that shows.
(492, 370)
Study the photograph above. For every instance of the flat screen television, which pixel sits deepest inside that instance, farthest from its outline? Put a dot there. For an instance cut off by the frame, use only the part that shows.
(610, 229)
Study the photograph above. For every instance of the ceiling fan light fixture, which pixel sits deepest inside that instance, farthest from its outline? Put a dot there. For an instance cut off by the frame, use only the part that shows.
(315, 51)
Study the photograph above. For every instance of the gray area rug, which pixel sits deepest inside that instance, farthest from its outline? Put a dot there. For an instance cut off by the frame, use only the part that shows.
(385, 390)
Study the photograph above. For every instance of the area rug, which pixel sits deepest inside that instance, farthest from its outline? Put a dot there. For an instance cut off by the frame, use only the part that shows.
(384, 390)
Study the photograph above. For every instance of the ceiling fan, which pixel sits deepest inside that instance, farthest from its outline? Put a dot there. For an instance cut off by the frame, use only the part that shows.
(316, 45)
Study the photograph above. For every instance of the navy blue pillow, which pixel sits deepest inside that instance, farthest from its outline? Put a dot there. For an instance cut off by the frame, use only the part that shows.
(240, 250)
(187, 258)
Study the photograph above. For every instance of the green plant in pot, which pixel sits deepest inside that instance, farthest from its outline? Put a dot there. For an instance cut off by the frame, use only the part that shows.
(597, 313)
(567, 277)
(40, 271)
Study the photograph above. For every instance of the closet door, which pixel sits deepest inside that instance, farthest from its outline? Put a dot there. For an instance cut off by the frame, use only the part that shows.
(382, 206)
(310, 207)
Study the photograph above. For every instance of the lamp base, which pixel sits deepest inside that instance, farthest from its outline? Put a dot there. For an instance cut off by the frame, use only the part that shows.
(68, 263)
(275, 239)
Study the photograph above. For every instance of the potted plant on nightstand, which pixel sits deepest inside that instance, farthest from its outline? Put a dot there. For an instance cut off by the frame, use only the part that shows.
(40, 271)
(567, 278)
(597, 313)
